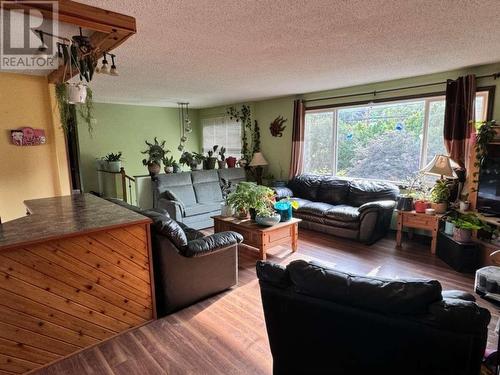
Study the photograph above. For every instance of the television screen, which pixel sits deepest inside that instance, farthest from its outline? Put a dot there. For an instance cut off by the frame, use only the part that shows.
(488, 197)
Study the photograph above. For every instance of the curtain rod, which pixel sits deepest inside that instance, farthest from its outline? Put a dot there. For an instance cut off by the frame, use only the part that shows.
(375, 92)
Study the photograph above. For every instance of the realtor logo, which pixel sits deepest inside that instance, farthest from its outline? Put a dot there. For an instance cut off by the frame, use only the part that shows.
(22, 45)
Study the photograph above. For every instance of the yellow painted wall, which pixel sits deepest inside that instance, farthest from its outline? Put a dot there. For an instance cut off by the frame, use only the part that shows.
(32, 171)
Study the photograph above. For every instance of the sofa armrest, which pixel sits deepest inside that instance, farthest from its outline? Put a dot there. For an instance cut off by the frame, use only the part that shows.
(282, 192)
(212, 243)
(377, 205)
(175, 209)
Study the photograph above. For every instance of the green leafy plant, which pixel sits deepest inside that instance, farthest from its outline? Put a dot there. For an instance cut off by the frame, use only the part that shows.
(485, 134)
(440, 193)
(470, 221)
(416, 187)
(225, 186)
(111, 157)
(67, 112)
(222, 153)
(191, 159)
(156, 152)
(244, 116)
(212, 151)
(249, 195)
(168, 162)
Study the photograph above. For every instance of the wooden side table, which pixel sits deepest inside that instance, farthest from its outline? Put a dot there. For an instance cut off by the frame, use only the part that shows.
(412, 219)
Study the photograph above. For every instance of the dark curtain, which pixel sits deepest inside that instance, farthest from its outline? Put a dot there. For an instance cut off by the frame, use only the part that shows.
(297, 139)
(459, 117)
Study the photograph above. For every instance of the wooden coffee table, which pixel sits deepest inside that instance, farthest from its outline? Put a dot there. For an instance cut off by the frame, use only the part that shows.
(258, 236)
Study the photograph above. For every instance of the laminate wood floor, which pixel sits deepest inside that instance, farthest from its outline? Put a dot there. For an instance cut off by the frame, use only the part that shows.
(226, 334)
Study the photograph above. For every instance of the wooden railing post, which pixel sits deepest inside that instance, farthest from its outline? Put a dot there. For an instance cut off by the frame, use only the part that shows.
(124, 183)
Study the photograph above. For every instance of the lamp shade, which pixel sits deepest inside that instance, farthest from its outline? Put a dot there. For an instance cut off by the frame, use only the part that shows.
(258, 160)
(440, 165)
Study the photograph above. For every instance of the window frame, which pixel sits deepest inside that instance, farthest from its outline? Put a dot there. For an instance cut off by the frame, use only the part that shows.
(487, 92)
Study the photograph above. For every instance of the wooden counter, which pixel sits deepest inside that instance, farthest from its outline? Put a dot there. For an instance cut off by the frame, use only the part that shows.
(76, 271)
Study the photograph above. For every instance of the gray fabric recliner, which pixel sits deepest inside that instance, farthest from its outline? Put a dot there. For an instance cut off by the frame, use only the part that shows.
(356, 209)
(193, 197)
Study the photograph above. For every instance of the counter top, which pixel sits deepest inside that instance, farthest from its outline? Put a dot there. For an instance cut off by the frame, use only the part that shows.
(59, 217)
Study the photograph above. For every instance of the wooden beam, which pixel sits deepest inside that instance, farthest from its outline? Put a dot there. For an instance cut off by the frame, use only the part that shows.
(110, 28)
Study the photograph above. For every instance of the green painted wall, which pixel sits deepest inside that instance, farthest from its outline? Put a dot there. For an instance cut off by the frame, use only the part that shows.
(278, 150)
(125, 128)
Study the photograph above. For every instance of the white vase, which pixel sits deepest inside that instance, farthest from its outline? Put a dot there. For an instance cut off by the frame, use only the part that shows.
(464, 206)
(226, 210)
(114, 166)
(77, 93)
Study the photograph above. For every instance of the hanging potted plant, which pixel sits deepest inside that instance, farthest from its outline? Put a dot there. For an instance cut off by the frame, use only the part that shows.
(156, 153)
(211, 160)
(222, 161)
(113, 162)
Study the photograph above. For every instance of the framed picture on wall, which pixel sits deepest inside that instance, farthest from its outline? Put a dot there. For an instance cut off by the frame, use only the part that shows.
(28, 137)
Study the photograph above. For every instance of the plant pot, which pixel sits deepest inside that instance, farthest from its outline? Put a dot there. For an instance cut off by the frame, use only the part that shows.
(448, 228)
(284, 208)
(462, 235)
(231, 162)
(421, 206)
(464, 206)
(253, 213)
(226, 210)
(154, 168)
(210, 163)
(405, 204)
(77, 93)
(168, 170)
(113, 166)
(241, 214)
(268, 221)
(440, 208)
(221, 164)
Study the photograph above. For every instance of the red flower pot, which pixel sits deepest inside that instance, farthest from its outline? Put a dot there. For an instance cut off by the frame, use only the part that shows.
(420, 206)
(231, 162)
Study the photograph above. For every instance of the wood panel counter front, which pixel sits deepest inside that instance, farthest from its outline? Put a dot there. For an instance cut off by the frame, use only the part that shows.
(76, 271)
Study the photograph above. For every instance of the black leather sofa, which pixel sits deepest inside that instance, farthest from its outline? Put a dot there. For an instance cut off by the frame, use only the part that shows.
(188, 266)
(321, 321)
(356, 209)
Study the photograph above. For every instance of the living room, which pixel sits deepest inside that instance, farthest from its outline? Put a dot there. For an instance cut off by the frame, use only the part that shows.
(248, 187)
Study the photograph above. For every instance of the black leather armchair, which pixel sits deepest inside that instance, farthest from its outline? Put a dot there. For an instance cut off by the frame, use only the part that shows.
(188, 266)
(356, 209)
(322, 321)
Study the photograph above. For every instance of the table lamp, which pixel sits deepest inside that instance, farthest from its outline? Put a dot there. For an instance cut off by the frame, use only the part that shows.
(440, 165)
(258, 161)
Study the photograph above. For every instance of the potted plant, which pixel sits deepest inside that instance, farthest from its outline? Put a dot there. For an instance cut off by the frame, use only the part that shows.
(267, 216)
(113, 162)
(222, 161)
(231, 161)
(176, 167)
(193, 160)
(465, 224)
(439, 196)
(211, 160)
(226, 209)
(168, 164)
(448, 218)
(464, 203)
(156, 153)
(240, 199)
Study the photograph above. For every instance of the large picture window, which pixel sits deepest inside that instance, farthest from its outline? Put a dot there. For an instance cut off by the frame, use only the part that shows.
(222, 131)
(383, 141)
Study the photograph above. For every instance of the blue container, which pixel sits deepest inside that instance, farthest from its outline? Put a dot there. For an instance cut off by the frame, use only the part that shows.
(284, 208)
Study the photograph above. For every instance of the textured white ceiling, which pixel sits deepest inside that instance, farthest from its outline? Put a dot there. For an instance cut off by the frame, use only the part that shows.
(212, 52)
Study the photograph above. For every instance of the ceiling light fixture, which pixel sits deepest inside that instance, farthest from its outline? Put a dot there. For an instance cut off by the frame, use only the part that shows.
(113, 71)
(184, 123)
(104, 68)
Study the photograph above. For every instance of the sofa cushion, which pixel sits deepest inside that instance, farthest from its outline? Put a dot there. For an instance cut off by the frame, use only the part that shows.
(315, 208)
(201, 208)
(178, 185)
(300, 201)
(363, 191)
(172, 230)
(306, 186)
(309, 217)
(341, 223)
(206, 186)
(343, 212)
(333, 190)
(377, 294)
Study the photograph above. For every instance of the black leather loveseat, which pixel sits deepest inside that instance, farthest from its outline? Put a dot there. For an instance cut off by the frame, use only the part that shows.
(188, 266)
(321, 321)
(356, 209)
